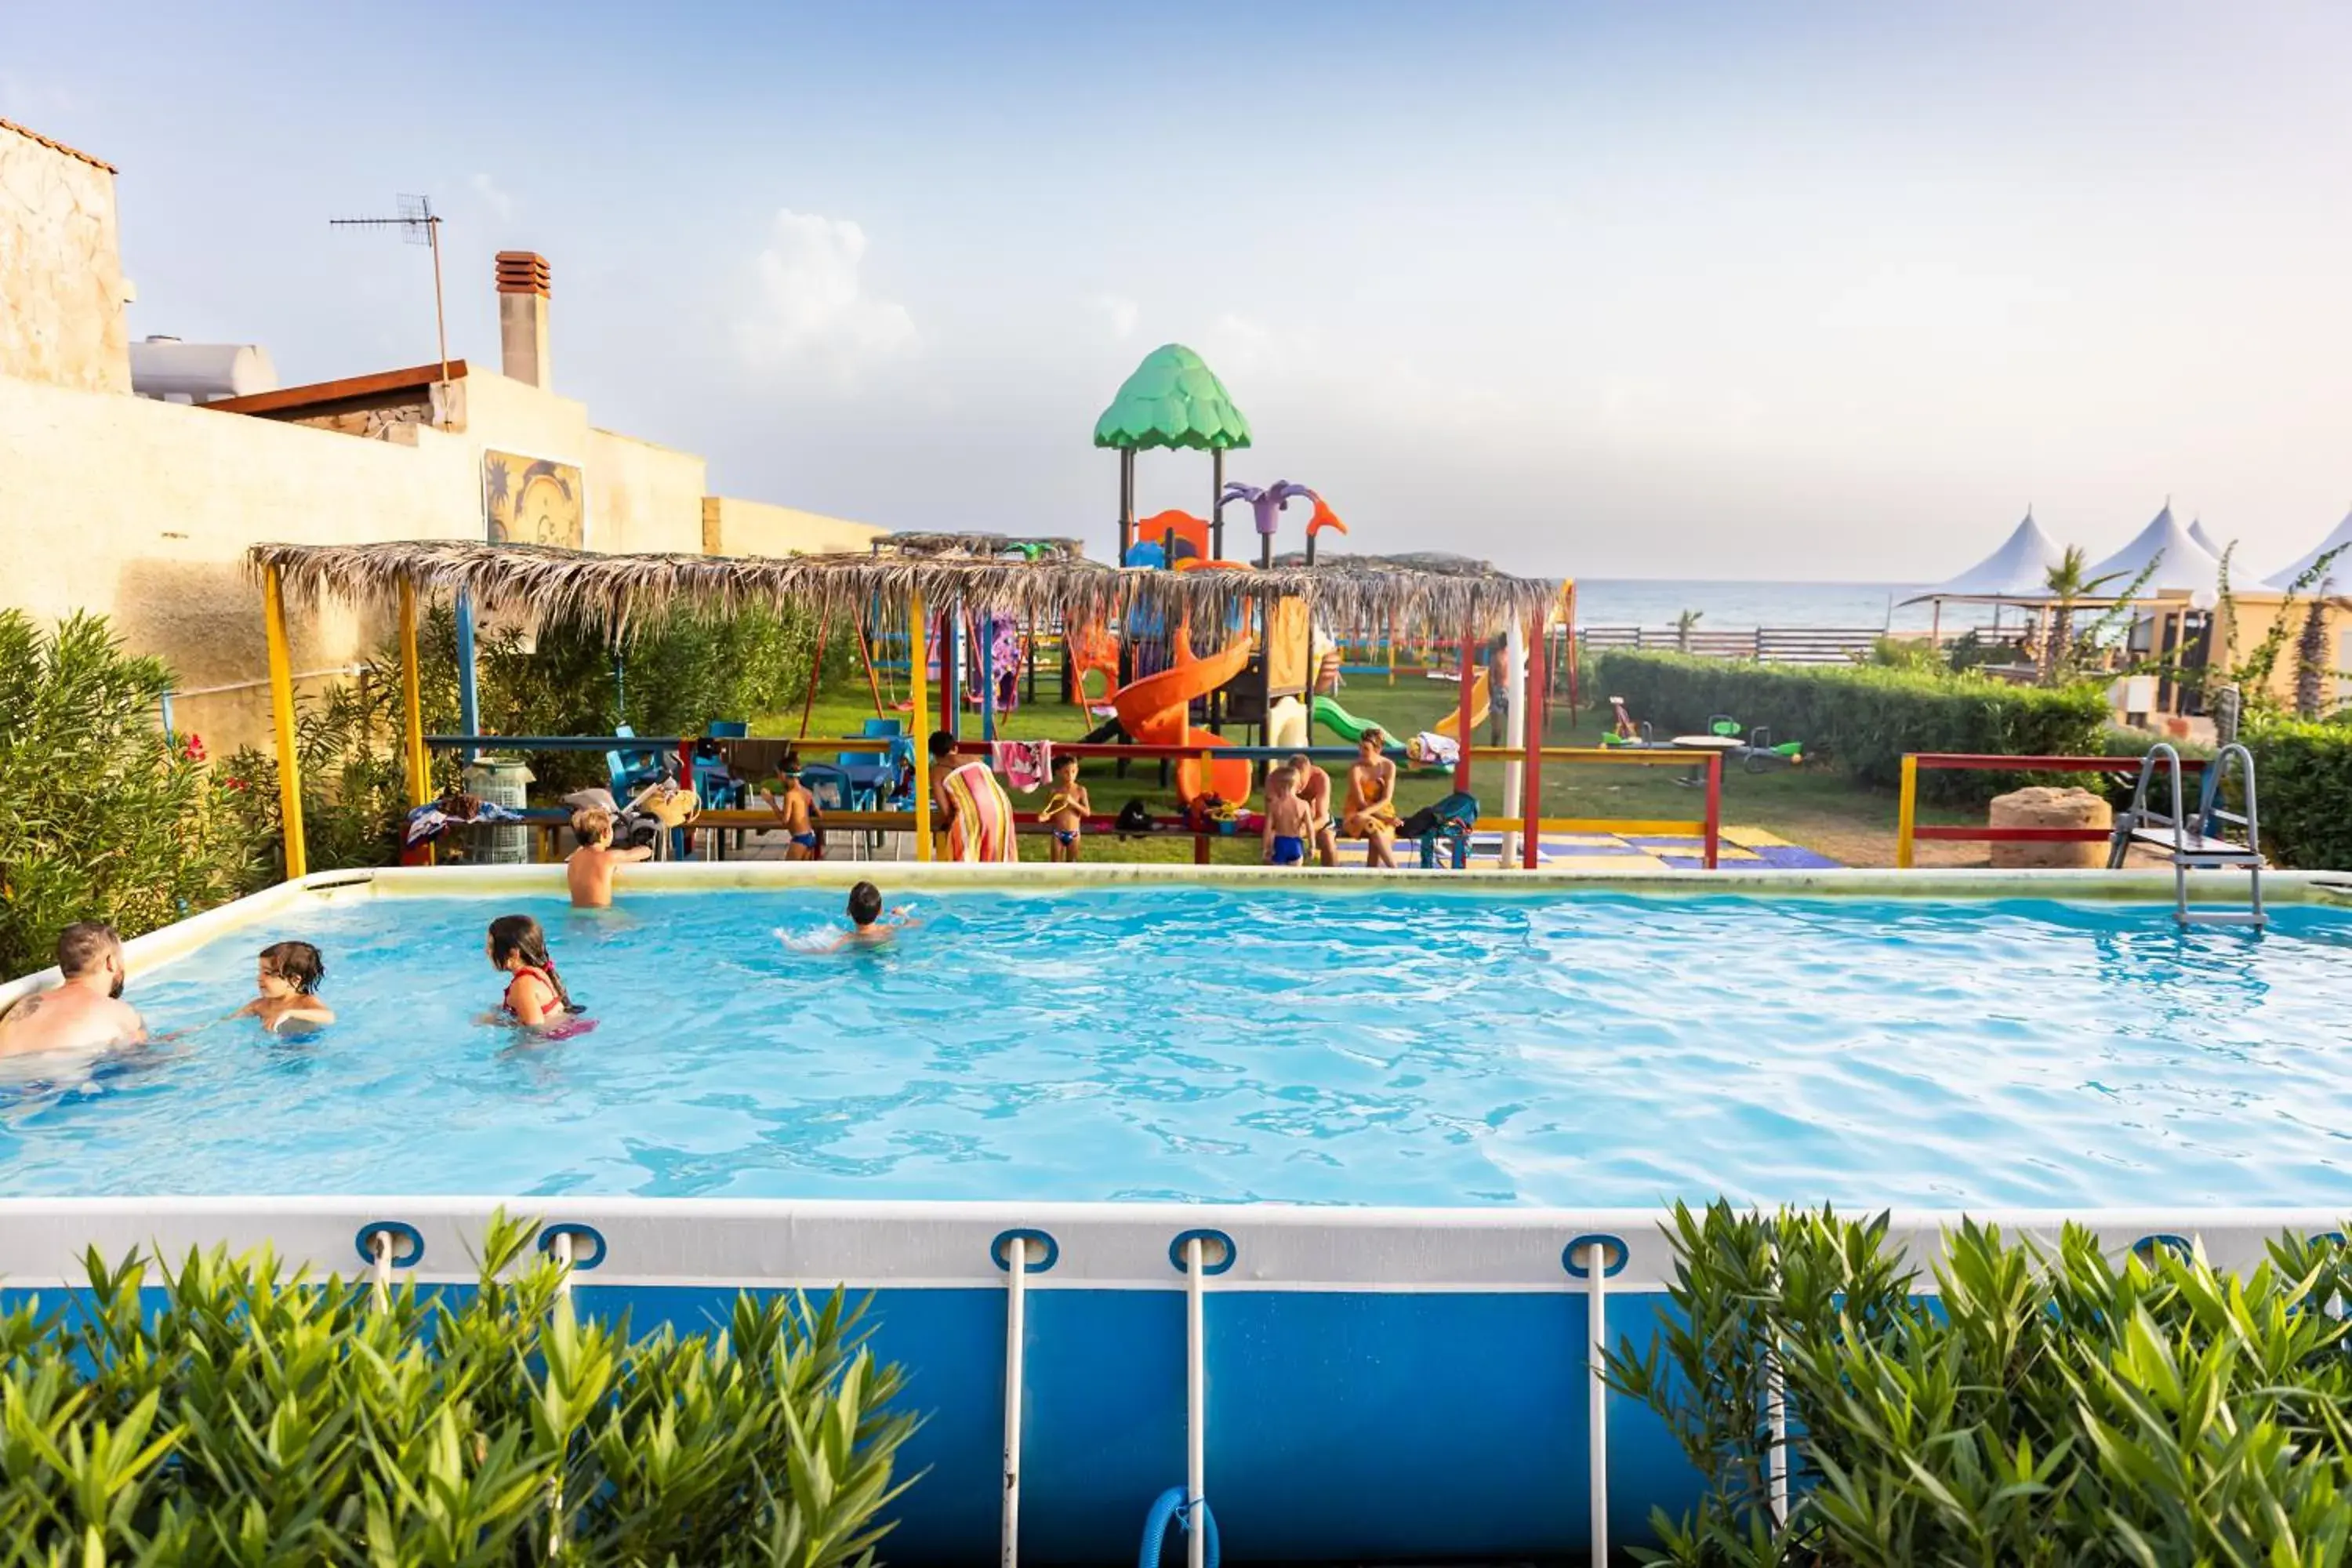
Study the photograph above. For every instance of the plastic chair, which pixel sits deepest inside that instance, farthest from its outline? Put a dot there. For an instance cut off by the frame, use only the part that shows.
(631, 769)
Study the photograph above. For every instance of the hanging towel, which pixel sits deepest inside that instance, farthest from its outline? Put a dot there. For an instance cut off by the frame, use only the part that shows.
(1028, 763)
(983, 828)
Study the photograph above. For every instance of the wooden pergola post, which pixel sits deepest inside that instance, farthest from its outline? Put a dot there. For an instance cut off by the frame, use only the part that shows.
(920, 686)
(1461, 720)
(281, 711)
(412, 703)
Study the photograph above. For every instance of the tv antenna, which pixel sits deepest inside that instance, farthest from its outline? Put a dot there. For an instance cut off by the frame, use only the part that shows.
(418, 225)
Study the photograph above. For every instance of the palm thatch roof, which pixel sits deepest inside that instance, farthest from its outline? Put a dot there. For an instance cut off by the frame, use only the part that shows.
(618, 594)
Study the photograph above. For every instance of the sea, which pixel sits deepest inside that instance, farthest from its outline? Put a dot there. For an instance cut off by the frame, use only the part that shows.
(1737, 606)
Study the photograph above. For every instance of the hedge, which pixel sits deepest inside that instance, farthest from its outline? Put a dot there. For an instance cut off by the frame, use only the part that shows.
(2302, 783)
(1863, 717)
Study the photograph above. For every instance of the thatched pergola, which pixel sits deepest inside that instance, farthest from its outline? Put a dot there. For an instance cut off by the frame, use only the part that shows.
(983, 573)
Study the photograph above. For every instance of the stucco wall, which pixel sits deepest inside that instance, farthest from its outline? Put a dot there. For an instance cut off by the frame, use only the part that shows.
(643, 498)
(2258, 613)
(60, 271)
(141, 510)
(732, 527)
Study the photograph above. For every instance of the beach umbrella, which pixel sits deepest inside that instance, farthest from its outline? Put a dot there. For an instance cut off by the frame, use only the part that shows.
(2186, 565)
(2341, 571)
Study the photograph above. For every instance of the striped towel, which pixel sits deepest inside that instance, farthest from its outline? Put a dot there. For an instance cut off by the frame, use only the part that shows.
(982, 828)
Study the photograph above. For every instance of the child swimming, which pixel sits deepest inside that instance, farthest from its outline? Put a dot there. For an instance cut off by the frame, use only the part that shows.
(1067, 809)
(535, 996)
(868, 926)
(590, 867)
(288, 977)
(1288, 823)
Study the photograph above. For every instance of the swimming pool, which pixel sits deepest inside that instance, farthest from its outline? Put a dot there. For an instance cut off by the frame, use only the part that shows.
(1395, 1116)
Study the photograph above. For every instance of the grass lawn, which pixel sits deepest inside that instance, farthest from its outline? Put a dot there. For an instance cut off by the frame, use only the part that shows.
(1817, 806)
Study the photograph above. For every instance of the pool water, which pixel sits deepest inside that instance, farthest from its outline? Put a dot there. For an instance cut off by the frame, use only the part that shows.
(1191, 1043)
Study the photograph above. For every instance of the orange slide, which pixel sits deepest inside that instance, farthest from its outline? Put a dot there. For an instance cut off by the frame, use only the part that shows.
(1153, 712)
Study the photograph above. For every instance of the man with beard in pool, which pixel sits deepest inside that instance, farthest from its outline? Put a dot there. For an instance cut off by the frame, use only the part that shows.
(86, 1013)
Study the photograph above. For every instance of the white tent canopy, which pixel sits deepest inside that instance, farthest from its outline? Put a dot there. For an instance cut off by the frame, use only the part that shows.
(2341, 571)
(2196, 531)
(2020, 569)
(2187, 566)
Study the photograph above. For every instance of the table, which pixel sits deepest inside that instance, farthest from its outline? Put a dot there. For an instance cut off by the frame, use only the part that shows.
(1721, 746)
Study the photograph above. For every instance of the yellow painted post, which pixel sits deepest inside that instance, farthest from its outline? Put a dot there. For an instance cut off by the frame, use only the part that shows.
(919, 684)
(281, 706)
(1906, 810)
(412, 703)
(1392, 637)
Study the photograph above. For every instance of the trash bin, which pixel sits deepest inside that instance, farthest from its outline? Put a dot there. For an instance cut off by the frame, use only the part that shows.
(500, 781)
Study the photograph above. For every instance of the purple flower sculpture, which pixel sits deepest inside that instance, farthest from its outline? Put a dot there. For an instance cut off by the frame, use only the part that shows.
(1267, 504)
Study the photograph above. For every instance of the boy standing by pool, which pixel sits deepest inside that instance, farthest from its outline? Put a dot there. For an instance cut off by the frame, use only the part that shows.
(797, 811)
(1288, 823)
(1313, 787)
(1371, 800)
(589, 869)
(1067, 809)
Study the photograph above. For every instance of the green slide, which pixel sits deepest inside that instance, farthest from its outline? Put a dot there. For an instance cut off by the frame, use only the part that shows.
(1339, 720)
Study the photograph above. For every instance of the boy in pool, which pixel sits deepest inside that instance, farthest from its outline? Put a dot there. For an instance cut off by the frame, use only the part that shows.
(796, 809)
(868, 926)
(1067, 809)
(288, 977)
(1288, 823)
(589, 869)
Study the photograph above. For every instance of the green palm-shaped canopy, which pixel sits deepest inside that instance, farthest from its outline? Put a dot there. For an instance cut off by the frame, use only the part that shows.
(1173, 399)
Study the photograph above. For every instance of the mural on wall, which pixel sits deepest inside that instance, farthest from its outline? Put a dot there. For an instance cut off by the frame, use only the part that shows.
(530, 501)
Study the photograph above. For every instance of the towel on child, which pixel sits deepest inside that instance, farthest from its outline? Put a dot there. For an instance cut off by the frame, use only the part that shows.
(982, 827)
(1028, 763)
(1433, 750)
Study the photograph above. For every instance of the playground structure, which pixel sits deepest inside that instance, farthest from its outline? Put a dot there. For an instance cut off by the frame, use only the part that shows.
(1183, 643)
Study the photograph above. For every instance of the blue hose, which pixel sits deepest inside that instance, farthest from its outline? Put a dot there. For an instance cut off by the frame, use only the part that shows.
(1170, 1508)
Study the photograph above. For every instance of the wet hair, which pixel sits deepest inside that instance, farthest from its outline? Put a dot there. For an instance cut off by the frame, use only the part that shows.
(865, 903)
(83, 946)
(1282, 781)
(942, 744)
(519, 936)
(1373, 734)
(592, 825)
(296, 963)
(1066, 760)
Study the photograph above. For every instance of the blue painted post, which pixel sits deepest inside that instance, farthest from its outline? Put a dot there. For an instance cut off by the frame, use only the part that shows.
(169, 736)
(470, 706)
(987, 678)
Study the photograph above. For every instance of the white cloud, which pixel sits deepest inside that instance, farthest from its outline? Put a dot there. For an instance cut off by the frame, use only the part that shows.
(496, 200)
(813, 303)
(1118, 314)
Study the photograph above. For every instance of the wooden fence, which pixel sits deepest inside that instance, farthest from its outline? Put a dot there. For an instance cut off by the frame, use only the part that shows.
(1770, 645)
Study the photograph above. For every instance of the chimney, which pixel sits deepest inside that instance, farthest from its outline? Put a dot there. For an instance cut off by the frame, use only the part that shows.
(522, 316)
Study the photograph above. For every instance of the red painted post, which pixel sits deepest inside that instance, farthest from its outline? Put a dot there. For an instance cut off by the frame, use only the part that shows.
(1531, 774)
(1714, 807)
(1462, 724)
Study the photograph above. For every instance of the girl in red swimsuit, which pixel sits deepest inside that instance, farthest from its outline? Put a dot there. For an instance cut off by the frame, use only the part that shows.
(535, 997)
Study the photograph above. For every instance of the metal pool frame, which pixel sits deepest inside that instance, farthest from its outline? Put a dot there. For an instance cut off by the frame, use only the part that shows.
(1372, 1384)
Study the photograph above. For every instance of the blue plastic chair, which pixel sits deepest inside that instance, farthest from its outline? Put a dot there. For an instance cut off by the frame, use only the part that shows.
(631, 770)
(827, 785)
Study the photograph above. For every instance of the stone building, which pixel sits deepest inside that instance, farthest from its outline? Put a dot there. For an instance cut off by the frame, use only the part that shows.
(141, 510)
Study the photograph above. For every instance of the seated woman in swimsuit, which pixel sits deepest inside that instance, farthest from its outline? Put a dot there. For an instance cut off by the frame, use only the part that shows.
(535, 997)
(1371, 812)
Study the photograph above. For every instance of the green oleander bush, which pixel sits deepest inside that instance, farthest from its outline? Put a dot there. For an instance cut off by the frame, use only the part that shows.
(1864, 717)
(105, 818)
(2303, 784)
(2044, 1409)
(252, 1420)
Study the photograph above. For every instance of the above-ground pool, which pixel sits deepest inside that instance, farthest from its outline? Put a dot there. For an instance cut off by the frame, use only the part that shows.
(1421, 1132)
(1228, 1043)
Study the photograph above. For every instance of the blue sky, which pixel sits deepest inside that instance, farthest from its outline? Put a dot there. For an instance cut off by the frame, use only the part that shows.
(1815, 290)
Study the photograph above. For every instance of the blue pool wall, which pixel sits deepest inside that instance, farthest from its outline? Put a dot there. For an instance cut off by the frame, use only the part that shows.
(1381, 1384)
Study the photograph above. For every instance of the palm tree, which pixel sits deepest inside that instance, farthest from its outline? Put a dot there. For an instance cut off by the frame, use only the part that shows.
(2068, 586)
(1685, 624)
(2312, 668)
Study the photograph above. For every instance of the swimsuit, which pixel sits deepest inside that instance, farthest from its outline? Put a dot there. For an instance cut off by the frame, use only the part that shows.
(805, 840)
(1065, 839)
(1288, 850)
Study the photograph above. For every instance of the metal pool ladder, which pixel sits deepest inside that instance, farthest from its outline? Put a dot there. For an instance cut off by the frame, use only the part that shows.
(2197, 842)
